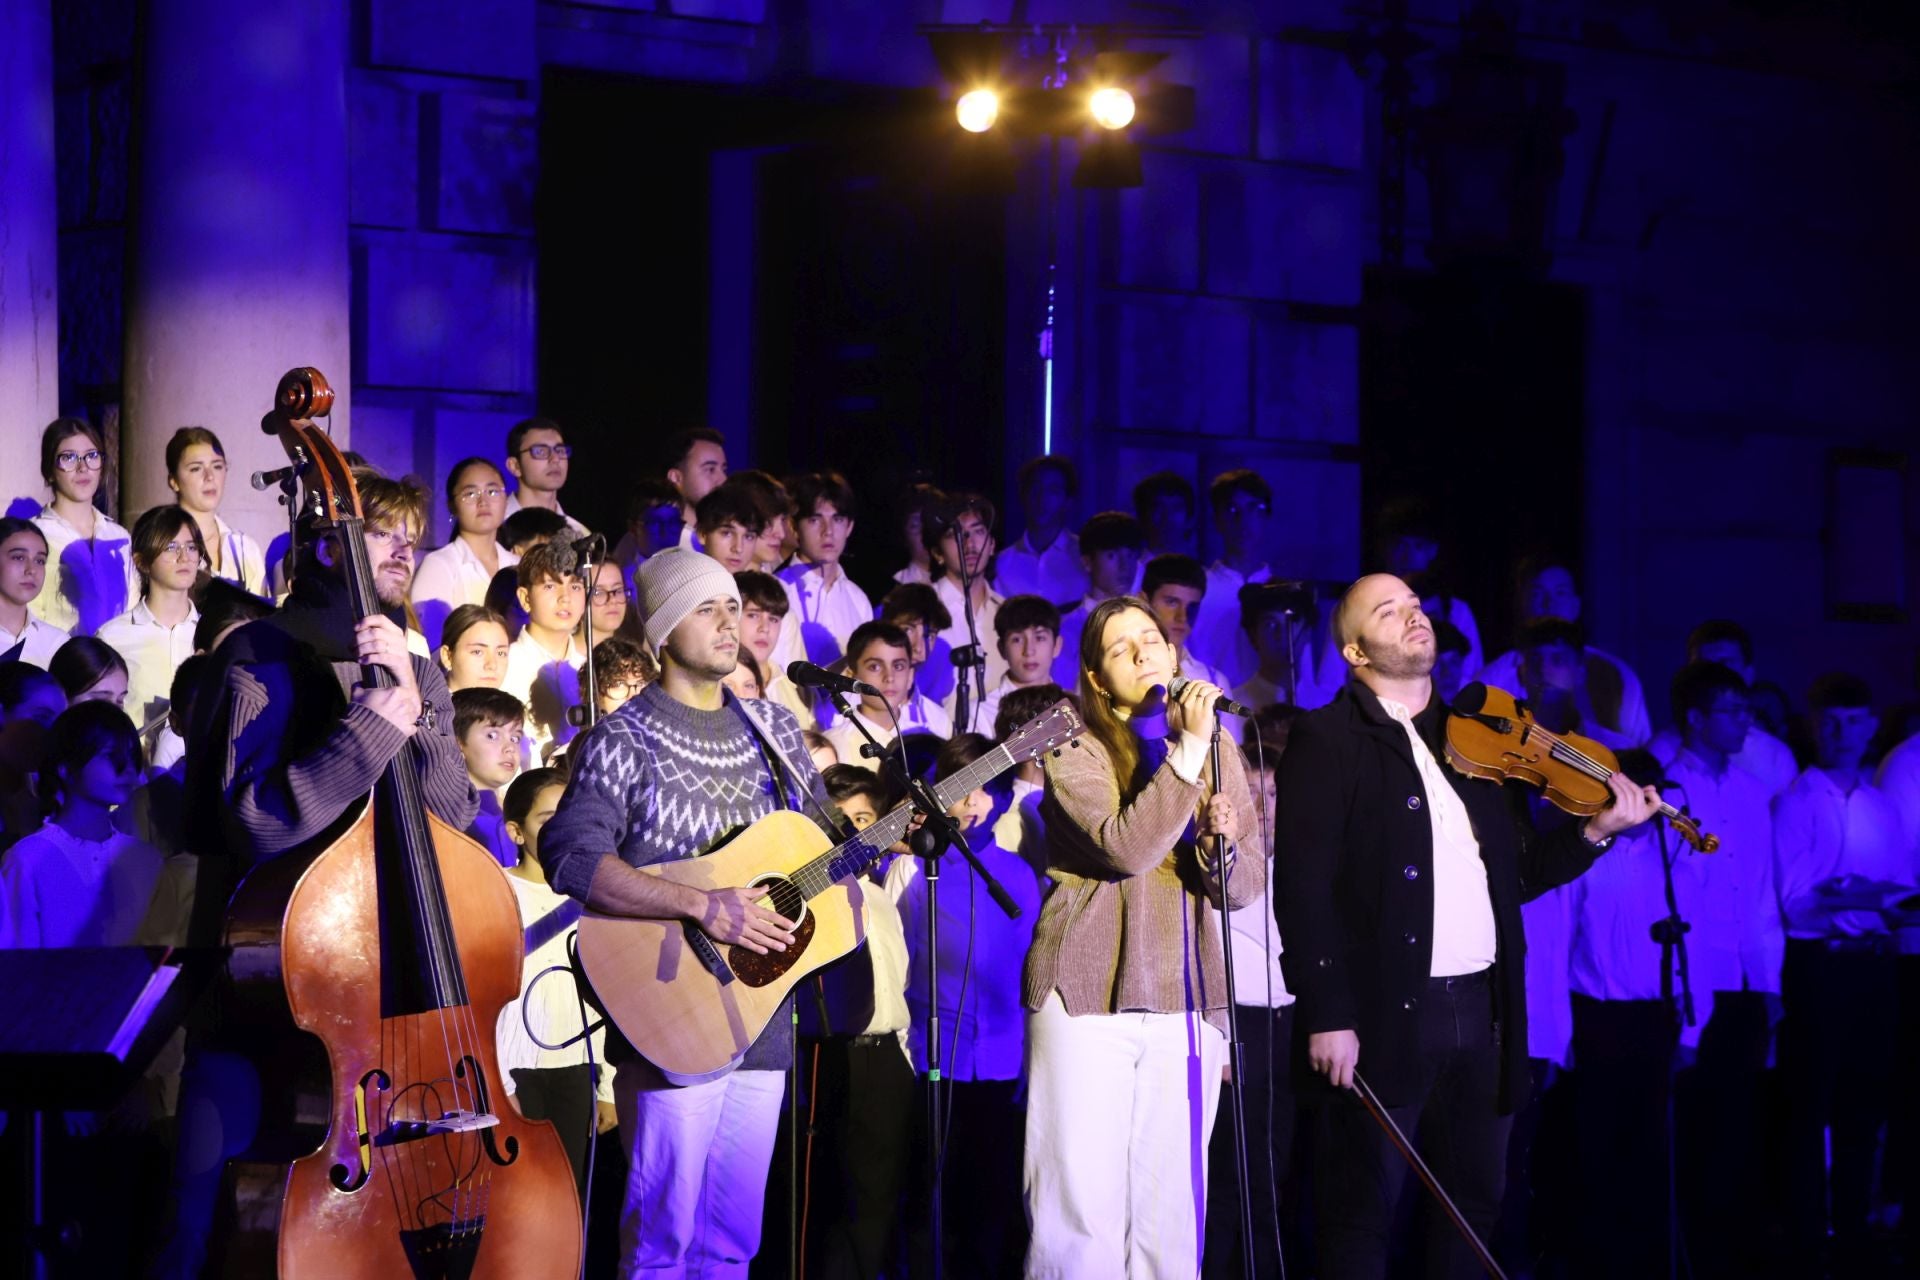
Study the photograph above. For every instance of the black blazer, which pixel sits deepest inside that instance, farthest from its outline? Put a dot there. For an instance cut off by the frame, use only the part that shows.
(1354, 891)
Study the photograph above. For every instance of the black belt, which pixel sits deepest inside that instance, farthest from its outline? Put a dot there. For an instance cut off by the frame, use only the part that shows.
(1462, 981)
(868, 1041)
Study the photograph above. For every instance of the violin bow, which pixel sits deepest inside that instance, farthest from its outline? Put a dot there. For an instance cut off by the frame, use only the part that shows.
(1371, 1101)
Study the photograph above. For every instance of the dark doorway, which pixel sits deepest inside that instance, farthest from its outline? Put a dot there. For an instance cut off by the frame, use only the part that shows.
(799, 269)
(1472, 398)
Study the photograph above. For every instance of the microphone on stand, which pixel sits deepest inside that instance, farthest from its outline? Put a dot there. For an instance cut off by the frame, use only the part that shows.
(1222, 704)
(807, 675)
(267, 479)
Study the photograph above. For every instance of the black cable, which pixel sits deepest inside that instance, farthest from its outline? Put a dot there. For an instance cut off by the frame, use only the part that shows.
(1266, 925)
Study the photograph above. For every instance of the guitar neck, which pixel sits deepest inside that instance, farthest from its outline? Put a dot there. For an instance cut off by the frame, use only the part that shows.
(866, 848)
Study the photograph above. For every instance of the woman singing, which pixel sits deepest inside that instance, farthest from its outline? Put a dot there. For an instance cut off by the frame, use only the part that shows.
(1125, 986)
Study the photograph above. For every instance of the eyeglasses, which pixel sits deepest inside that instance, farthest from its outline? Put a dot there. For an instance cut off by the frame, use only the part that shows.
(541, 452)
(468, 496)
(392, 541)
(68, 460)
(181, 551)
(621, 688)
(607, 595)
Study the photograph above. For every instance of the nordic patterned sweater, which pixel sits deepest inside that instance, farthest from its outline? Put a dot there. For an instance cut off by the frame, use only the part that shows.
(659, 780)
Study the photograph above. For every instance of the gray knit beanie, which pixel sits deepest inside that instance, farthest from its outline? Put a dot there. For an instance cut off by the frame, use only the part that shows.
(675, 582)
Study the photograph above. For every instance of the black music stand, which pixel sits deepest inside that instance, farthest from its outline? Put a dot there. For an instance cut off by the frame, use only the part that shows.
(80, 1027)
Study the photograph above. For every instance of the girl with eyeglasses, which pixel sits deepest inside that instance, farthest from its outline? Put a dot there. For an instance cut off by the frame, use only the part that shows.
(197, 471)
(156, 635)
(458, 573)
(89, 559)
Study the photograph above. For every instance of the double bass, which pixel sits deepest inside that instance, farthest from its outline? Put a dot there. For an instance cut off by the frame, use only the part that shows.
(395, 941)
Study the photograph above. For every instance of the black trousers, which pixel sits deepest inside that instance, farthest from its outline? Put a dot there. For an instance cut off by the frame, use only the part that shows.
(563, 1095)
(986, 1222)
(1837, 1045)
(862, 1102)
(1455, 1109)
(1622, 1101)
(1265, 1039)
(1720, 1124)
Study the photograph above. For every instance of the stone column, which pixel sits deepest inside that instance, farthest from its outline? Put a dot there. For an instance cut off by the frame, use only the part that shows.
(237, 254)
(29, 245)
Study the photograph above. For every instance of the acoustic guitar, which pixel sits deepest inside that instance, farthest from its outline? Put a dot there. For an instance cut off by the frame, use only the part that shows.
(693, 1007)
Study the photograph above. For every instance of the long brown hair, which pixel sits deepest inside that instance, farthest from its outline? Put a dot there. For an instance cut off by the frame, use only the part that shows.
(1107, 728)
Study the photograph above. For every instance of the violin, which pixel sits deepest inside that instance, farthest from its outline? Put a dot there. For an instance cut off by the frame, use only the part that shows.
(1491, 734)
(392, 943)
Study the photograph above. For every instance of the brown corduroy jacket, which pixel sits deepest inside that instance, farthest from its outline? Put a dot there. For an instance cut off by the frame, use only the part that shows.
(1132, 924)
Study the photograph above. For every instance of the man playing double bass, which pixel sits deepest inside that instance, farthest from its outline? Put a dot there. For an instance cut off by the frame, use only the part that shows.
(279, 751)
(1400, 884)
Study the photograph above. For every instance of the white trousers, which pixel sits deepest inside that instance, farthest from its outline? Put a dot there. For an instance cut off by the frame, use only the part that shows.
(697, 1165)
(1120, 1109)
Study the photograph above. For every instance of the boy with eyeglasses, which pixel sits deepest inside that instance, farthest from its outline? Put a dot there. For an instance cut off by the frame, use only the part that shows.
(538, 456)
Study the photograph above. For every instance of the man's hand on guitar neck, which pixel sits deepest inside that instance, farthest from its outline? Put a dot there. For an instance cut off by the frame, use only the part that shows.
(735, 916)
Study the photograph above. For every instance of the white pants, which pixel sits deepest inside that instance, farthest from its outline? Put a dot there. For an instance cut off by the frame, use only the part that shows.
(697, 1165)
(1120, 1109)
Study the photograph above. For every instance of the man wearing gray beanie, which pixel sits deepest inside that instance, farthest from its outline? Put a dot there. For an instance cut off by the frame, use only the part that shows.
(674, 772)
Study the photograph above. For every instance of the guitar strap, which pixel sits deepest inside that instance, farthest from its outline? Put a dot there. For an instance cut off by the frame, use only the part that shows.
(786, 778)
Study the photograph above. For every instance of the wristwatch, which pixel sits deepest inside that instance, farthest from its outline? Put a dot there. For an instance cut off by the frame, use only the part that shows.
(1598, 846)
(427, 718)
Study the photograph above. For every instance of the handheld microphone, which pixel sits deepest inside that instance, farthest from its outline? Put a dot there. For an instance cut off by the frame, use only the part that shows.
(1222, 704)
(267, 479)
(810, 676)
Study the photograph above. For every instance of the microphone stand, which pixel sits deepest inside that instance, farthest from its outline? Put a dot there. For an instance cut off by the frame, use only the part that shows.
(1671, 934)
(974, 659)
(586, 711)
(1293, 661)
(931, 847)
(1234, 1058)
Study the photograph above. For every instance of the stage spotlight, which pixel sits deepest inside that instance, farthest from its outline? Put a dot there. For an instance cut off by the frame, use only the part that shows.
(1112, 107)
(977, 110)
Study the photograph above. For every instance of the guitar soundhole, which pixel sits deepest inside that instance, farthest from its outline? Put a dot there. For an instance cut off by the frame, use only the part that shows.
(756, 970)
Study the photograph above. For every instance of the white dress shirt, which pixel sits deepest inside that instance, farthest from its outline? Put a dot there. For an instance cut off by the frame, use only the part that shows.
(449, 577)
(1820, 832)
(1547, 922)
(241, 561)
(42, 638)
(887, 953)
(552, 1005)
(1634, 729)
(59, 890)
(847, 740)
(1055, 574)
(559, 680)
(937, 674)
(88, 582)
(1217, 634)
(911, 574)
(1464, 939)
(1319, 678)
(1614, 906)
(1254, 937)
(1021, 828)
(988, 711)
(821, 615)
(1737, 941)
(1763, 755)
(579, 530)
(154, 651)
(1899, 779)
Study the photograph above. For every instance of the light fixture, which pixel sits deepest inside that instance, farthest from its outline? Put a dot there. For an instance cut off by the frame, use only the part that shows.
(977, 110)
(1111, 107)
